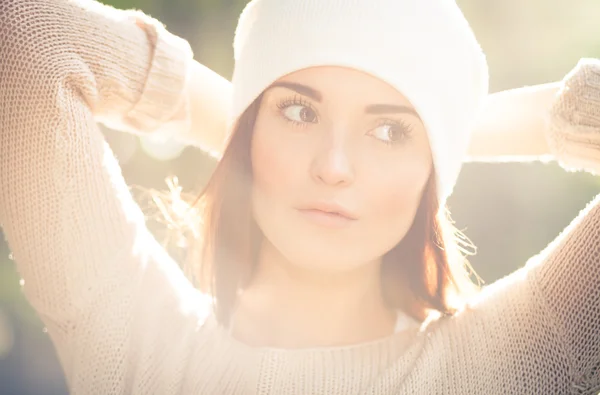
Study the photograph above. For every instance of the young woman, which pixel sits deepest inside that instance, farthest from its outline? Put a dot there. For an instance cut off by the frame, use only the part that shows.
(328, 262)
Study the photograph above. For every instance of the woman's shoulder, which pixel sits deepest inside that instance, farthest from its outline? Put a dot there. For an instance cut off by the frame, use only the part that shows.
(503, 337)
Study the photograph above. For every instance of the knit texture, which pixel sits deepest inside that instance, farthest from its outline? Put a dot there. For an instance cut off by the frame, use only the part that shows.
(575, 117)
(423, 48)
(125, 320)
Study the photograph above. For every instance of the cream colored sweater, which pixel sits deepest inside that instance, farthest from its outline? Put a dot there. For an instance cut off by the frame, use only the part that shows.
(123, 317)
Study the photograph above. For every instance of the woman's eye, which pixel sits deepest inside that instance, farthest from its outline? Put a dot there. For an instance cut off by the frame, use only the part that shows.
(300, 113)
(391, 133)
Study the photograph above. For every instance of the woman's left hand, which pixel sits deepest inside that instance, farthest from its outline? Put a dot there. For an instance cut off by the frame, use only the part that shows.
(573, 128)
(559, 120)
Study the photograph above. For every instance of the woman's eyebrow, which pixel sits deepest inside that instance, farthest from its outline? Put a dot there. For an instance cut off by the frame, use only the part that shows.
(380, 109)
(304, 90)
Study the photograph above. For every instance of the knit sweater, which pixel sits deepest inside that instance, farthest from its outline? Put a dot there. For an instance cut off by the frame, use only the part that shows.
(123, 317)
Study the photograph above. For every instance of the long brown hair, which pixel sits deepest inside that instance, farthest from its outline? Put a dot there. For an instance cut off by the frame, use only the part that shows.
(426, 272)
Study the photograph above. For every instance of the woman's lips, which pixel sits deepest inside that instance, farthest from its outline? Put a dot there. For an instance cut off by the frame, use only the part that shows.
(326, 219)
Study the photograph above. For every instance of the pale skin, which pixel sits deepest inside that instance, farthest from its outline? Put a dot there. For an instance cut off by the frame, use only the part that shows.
(329, 135)
(317, 282)
(511, 124)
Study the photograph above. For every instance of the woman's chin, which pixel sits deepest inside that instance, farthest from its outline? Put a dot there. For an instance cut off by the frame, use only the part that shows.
(325, 260)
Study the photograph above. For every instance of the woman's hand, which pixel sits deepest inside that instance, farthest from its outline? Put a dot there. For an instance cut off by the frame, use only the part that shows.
(559, 120)
(573, 131)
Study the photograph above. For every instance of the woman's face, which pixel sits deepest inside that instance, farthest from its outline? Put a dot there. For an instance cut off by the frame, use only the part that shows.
(340, 160)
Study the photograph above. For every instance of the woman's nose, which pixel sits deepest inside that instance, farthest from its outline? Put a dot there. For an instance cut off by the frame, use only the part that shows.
(332, 164)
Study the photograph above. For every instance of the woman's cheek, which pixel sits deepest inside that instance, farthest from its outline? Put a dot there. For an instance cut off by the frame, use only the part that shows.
(274, 162)
(267, 171)
(396, 198)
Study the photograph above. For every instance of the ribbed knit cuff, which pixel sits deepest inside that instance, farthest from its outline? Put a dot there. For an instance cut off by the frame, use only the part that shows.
(575, 147)
(574, 120)
(164, 90)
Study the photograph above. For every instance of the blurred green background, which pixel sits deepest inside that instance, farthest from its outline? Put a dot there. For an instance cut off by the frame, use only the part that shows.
(510, 211)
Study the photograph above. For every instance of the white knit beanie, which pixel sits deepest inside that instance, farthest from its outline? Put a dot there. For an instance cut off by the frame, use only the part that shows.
(423, 48)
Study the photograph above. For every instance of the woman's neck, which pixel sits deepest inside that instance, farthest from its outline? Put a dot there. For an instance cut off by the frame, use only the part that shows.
(287, 306)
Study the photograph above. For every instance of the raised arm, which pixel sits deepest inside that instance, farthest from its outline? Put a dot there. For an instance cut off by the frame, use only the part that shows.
(90, 267)
(511, 125)
(544, 319)
(209, 100)
(538, 330)
(567, 273)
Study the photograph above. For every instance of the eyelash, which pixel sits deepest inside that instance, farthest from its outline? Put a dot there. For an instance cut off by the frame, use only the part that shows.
(407, 129)
(298, 100)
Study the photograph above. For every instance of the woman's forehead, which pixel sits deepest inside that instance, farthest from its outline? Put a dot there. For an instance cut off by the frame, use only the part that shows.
(335, 83)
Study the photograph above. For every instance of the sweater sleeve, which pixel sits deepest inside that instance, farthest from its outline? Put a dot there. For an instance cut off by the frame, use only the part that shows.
(567, 273)
(91, 268)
